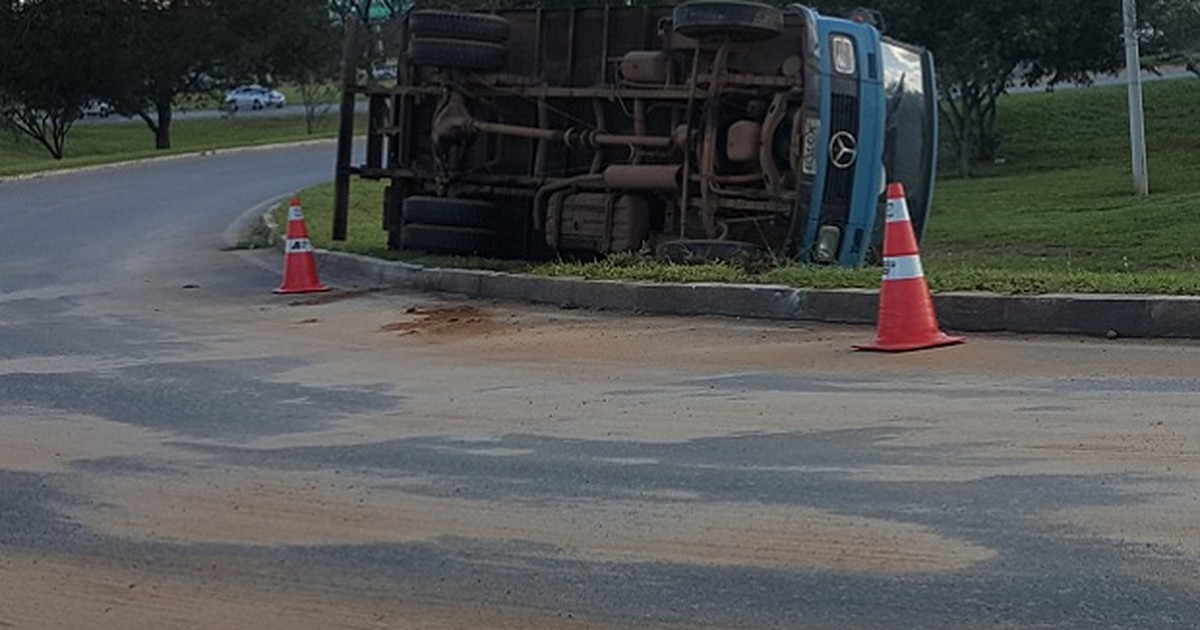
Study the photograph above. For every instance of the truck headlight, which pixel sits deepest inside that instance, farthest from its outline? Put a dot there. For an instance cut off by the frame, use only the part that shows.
(843, 54)
(827, 243)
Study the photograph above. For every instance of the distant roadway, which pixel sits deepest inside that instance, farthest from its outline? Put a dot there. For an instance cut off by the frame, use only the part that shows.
(1166, 74)
(329, 110)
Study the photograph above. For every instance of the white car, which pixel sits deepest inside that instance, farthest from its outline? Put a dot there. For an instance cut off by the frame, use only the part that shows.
(254, 97)
(96, 107)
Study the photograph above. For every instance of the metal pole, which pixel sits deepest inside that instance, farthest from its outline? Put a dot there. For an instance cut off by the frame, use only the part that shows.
(1137, 125)
(345, 140)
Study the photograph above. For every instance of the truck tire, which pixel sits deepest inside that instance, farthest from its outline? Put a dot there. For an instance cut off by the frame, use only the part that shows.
(441, 239)
(467, 213)
(478, 27)
(739, 21)
(457, 53)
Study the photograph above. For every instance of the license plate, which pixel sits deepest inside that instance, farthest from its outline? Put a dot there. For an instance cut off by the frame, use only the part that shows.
(812, 134)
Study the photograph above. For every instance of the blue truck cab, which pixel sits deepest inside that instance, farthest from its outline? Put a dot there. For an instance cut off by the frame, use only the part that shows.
(877, 115)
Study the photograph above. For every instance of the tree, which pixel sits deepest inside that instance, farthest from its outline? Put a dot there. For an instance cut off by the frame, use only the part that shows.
(54, 56)
(167, 50)
(312, 62)
(9, 25)
(366, 10)
(380, 20)
(983, 47)
(285, 40)
(1173, 32)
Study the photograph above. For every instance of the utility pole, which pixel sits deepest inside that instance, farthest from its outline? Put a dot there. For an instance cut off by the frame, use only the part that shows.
(1137, 124)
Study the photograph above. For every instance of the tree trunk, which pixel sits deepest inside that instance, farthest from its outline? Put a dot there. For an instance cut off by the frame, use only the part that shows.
(48, 129)
(956, 109)
(963, 151)
(990, 148)
(308, 97)
(162, 131)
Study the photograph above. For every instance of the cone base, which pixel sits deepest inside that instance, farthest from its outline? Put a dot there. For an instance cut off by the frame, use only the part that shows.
(287, 290)
(937, 341)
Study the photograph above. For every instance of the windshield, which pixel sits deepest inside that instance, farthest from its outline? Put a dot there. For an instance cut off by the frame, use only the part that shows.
(910, 143)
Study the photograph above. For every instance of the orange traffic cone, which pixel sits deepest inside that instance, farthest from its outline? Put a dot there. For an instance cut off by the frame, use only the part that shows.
(299, 266)
(906, 317)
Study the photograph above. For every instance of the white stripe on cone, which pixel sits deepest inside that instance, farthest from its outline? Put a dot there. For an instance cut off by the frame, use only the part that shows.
(298, 246)
(294, 213)
(897, 210)
(902, 268)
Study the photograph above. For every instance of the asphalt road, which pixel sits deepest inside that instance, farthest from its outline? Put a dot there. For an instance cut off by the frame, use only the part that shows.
(180, 448)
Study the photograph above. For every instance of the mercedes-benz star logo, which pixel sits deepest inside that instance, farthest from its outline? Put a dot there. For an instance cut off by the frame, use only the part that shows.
(843, 149)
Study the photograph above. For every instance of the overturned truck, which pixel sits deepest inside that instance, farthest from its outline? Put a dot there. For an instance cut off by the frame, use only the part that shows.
(711, 129)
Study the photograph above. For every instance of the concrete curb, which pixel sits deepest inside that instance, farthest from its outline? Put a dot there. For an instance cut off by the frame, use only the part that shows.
(1082, 314)
(258, 214)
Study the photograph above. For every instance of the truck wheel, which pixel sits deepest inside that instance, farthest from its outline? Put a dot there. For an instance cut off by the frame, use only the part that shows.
(477, 27)
(457, 53)
(440, 239)
(739, 21)
(467, 213)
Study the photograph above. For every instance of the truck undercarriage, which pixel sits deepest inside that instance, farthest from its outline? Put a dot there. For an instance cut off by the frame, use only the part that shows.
(714, 128)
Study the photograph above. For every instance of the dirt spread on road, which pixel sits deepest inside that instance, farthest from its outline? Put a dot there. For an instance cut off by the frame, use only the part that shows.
(1172, 525)
(42, 442)
(273, 509)
(329, 297)
(47, 591)
(445, 321)
(478, 373)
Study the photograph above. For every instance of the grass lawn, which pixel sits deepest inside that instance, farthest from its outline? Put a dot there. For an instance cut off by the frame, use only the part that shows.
(90, 144)
(326, 94)
(1057, 211)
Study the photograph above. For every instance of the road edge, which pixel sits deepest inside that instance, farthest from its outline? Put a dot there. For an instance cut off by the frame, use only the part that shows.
(1157, 316)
